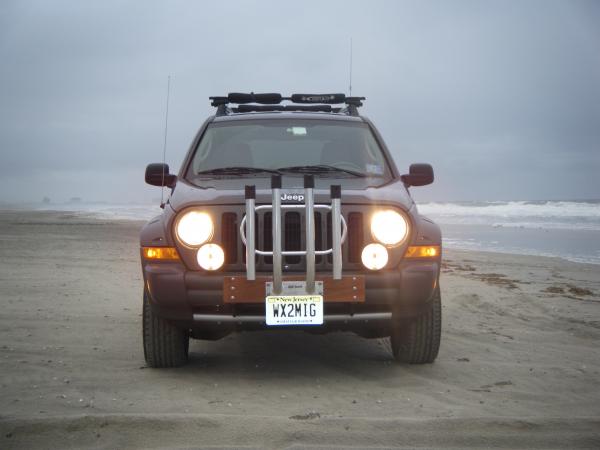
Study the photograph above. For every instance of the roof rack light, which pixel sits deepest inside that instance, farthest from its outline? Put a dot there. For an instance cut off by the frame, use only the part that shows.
(330, 99)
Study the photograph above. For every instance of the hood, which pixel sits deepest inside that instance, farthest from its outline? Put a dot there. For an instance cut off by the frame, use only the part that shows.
(185, 194)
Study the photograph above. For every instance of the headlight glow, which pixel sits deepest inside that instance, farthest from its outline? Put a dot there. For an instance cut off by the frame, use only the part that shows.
(195, 228)
(374, 256)
(210, 257)
(389, 227)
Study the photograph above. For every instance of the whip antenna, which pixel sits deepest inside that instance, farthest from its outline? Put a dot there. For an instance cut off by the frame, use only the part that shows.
(350, 87)
(162, 187)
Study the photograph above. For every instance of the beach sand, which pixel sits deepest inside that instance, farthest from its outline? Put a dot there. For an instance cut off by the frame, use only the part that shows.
(519, 365)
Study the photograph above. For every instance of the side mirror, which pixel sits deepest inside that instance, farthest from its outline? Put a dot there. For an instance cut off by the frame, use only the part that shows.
(418, 175)
(157, 174)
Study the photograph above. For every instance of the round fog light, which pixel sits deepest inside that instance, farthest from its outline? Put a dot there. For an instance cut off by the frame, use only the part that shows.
(374, 256)
(210, 257)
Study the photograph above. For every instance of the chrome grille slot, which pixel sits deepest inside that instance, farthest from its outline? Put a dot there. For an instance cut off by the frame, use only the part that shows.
(329, 239)
(256, 239)
(355, 236)
(319, 237)
(267, 243)
(229, 237)
(292, 236)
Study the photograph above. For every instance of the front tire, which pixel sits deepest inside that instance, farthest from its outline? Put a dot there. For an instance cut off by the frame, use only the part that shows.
(164, 344)
(418, 341)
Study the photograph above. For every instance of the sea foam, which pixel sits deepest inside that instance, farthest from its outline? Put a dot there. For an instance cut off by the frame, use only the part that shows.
(567, 215)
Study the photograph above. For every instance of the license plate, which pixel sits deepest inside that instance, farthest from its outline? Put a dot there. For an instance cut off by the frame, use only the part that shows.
(294, 310)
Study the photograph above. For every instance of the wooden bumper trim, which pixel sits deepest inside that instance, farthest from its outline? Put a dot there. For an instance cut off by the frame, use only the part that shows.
(237, 289)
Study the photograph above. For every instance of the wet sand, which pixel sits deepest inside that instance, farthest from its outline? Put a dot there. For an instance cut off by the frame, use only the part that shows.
(519, 365)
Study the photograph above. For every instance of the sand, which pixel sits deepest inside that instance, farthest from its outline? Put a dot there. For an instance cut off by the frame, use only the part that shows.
(519, 365)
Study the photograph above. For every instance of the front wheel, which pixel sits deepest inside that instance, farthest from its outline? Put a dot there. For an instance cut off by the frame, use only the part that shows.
(418, 341)
(164, 344)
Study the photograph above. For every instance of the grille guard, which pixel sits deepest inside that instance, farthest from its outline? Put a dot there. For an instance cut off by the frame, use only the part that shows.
(339, 231)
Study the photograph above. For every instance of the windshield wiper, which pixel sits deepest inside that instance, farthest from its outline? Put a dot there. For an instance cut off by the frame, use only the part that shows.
(320, 169)
(236, 170)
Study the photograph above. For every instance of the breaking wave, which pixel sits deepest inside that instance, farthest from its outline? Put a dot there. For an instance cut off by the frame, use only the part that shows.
(107, 211)
(567, 215)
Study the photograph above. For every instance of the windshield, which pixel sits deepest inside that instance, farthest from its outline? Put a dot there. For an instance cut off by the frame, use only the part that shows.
(326, 148)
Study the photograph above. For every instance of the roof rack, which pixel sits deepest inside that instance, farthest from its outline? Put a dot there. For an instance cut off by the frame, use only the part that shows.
(298, 102)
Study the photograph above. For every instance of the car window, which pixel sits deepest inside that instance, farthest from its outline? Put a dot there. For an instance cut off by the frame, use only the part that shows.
(273, 144)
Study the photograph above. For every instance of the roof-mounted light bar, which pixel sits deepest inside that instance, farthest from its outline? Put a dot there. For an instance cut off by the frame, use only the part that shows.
(251, 102)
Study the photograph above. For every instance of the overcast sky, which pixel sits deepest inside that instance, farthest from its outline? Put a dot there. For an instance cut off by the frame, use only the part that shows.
(501, 97)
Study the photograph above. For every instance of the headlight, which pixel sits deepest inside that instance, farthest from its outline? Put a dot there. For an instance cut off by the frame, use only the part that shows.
(389, 227)
(210, 257)
(374, 256)
(194, 228)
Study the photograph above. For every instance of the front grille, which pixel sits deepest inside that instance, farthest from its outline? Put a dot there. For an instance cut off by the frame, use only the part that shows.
(293, 237)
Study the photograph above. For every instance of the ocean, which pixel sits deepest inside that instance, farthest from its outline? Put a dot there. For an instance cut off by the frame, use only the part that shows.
(565, 229)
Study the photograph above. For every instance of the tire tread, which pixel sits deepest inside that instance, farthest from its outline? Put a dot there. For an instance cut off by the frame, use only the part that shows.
(418, 341)
(164, 344)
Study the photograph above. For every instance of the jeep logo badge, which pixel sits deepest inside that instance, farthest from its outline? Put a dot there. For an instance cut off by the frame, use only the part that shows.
(296, 198)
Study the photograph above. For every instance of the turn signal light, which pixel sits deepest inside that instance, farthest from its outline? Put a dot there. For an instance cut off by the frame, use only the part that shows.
(160, 253)
(423, 251)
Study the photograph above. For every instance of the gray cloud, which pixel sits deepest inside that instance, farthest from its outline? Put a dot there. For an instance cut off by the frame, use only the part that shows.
(503, 98)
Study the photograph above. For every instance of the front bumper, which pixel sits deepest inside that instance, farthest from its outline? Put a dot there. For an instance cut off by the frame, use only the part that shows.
(196, 298)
